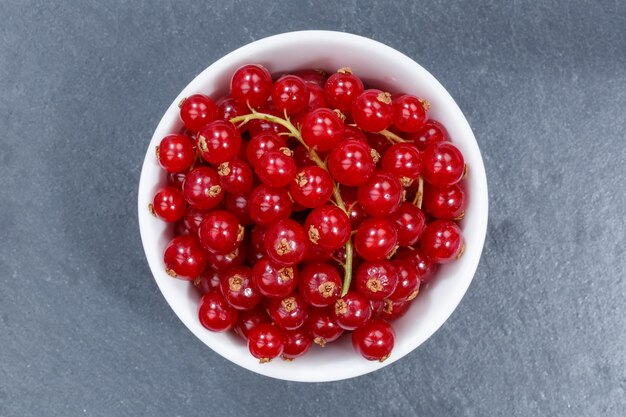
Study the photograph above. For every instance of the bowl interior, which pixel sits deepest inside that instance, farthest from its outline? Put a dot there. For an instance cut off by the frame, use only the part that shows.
(379, 66)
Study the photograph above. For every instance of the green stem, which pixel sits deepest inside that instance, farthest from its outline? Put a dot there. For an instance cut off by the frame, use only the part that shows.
(392, 137)
(293, 131)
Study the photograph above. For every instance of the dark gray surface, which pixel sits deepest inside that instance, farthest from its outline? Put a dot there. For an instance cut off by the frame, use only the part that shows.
(84, 330)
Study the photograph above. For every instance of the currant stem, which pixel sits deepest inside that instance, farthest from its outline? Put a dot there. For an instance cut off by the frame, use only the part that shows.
(293, 131)
(419, 195)
(392, 137)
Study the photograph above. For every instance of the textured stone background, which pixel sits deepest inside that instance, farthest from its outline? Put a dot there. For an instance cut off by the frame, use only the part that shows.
(83, 327)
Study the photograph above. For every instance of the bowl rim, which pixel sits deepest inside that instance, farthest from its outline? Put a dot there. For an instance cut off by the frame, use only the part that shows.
(477, 170)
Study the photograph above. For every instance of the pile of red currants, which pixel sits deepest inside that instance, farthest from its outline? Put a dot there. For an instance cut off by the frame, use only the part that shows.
(309, 206)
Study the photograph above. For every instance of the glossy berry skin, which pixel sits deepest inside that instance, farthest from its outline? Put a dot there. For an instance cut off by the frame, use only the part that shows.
(249, 319)
(445, 202)
(322, 130)
(220, 232)
(176, 179)
(316, 77)
(302, 157)
(404, 161)
(408, 281)
(251, 85)
(376, 280)
(288, 313)
(319, 284)
(276, 168)
(311, 187)
(442, 241)
(341, 90)
(323, 326)
(238, 290)
(176, 153)
(285, 242)
(354, 133)
(443, 164)
(266, 342)
(328, 227)
(432, 132)
(223, 262)
(238, 205)
(355, 212)
(372, 110)
(218, 142)
(196, 111)
(351, 311)
(379, 143)
(393, 310)
(410, 222)
(315, 254)
(262, 143)
(409, 114)
(290, 94)
(192, 219)
(208, 281)
(235, 176)
(227, 108)
(375, 239)
(381, 195)
(184, 258)
(316, 98)
(169, 204)
(268, 205)
(297, 343)
(375, 340)
(202, 188)
(351, 163)
(215, 314)
(274, 281)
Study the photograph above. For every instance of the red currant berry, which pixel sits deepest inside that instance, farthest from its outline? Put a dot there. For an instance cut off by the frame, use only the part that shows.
(235, 176)
(261, 143)
(372, 110)
(276, 168)
(316, 77)
(218, 142)
(297, 343)
(314, 254)
(176, 179)
(432, 132)
(376, 280)
(220, 232)
(258, 126)
(215, 314)
(375, 239)
(238, 289)
(320, 284)
(251, 85)
(316, 98)
(288, 313)
(285, 242)
(238, 205)
(352, 311)
(342, 88)
(290, 94)
(323, 326)
(409, 113)
(408, 281)
(256, 244)
(311, 187)
(169, 204)
(176, 153)
(354, 133)
(381, 195)
(222, 262)
(393, 310)
(196, 111)
(424, 267)
(192, 219)
(202, 188)
(322, 130)
(443, 164)
(266, 342)
(410, 222)
(442, 241)
(379, 143)
(351, 163)
(268, 205)
(375, 340)
(302, 157)
(355, 212)
(208, 281)
(328, 226)
(445, 202)
(228, 108)
(249, 319)
(184, 258)
(274, 281)
(404, 161)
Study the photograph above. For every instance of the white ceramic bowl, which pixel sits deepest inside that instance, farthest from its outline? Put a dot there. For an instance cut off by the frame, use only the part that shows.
(378, 65)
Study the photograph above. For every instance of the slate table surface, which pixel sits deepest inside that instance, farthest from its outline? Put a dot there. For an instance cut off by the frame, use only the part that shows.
(83, 327)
